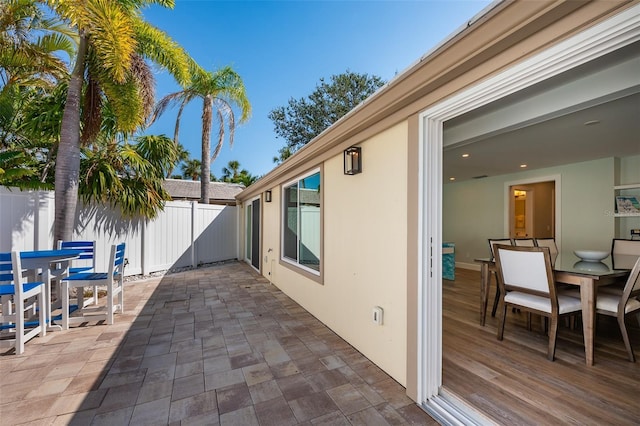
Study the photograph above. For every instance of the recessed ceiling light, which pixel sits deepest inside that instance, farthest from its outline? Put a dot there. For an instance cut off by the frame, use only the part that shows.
(591, 122)
(465, 155)
(452, 178)
(523, 166)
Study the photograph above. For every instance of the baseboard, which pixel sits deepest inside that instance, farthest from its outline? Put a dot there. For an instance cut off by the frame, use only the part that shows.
(470, 266)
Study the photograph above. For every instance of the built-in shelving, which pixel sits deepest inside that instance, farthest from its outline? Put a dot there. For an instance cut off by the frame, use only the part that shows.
(617, 189)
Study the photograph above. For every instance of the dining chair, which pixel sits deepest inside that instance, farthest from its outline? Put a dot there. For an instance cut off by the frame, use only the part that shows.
(86, 258)
(548, 242)
(492, 243)
(624, 253)
(527, 282)
(113, 279)
(86, 261)
(23, 304)
(524, 242)
(619, 306)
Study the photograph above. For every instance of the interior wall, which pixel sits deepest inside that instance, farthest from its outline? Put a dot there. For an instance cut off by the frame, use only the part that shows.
(473, 211)
(365, 252)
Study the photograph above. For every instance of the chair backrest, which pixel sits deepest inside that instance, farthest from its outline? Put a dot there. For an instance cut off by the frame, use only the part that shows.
(524, 242)
(526, 269)
(624, 253)
(495, 241)
(88, 255)
(117, 259)
(11, 273)
(632, 287)
(548, 242)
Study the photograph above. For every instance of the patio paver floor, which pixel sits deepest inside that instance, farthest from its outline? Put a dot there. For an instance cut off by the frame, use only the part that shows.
(216, 345)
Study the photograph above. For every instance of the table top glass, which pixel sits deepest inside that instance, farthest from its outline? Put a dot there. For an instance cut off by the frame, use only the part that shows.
(570, 263)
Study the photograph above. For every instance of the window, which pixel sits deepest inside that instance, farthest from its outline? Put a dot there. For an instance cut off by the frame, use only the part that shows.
(301, 222)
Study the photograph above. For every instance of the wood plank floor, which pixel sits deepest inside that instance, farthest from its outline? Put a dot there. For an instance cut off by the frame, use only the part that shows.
(513, 383)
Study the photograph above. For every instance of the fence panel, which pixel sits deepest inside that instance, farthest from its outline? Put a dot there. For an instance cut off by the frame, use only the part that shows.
(26, 219)
(184, 234)
(168, 238)
(215, 233)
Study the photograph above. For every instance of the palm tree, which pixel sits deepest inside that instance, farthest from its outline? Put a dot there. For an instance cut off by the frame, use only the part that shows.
(32, 47)
(191, 169)
(128, 176)
(183, 156)
(114, 41)
(283, 154)
(246, 178)
(230, 172)
(222, 89)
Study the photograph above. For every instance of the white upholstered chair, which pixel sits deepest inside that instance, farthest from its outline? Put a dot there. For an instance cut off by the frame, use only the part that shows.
(492, 243)
(624, 253)
(620, 306)
(526, 282)
(524, 242)
(548, 242)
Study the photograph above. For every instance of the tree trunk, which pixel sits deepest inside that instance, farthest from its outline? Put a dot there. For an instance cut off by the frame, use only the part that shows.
(68, 158)
(205, 175)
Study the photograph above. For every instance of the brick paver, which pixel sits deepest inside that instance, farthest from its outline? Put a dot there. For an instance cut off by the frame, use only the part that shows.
(218, 346)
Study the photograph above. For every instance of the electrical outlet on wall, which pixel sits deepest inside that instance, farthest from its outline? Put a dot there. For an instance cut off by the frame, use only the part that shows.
(377, 315)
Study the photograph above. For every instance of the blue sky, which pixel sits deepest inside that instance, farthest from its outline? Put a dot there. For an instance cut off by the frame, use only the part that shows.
(281, 49)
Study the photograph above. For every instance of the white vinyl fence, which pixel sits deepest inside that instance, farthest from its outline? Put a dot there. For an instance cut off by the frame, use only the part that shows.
(184, 234)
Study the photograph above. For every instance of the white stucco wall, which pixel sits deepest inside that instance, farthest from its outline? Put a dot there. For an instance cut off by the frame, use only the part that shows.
(365, 234)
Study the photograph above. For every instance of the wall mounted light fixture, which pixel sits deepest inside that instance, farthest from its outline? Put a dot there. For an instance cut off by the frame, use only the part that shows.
(267, 196)
(353, 160)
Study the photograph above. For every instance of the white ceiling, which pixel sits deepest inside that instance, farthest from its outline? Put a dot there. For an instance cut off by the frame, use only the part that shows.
(591, 112)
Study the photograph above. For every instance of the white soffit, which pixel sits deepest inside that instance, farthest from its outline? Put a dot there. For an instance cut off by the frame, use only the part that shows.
(586, 91)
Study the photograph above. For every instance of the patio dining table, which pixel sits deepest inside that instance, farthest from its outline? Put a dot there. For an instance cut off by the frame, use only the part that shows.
(51, 263)
(568, 269)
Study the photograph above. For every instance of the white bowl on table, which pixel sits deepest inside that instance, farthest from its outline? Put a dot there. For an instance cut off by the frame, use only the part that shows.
(591, 255)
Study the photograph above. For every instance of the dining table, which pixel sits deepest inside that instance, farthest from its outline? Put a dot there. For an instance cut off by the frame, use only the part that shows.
(567, 269)
(51, 264)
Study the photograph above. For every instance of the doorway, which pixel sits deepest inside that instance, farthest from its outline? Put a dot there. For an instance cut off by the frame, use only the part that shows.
(252, 233)
(591, 43)
(532, 209)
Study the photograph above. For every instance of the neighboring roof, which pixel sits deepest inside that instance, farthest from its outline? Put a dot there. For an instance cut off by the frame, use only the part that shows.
(190, 190)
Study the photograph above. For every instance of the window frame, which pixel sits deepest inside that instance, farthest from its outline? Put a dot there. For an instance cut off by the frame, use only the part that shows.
(294, 264)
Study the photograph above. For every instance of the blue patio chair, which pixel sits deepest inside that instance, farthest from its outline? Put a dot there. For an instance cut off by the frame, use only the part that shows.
(86, 262)
(23, 303)
(87, 258)
(113, 279)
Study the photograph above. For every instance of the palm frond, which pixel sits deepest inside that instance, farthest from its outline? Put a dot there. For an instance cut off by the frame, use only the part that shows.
(112, 37)
(142, 74)
(165, 103)
(126, 103)
(157, 46)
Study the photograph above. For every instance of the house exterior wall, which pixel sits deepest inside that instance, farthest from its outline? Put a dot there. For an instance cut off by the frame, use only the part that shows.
(364, 251)
(356, 276)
